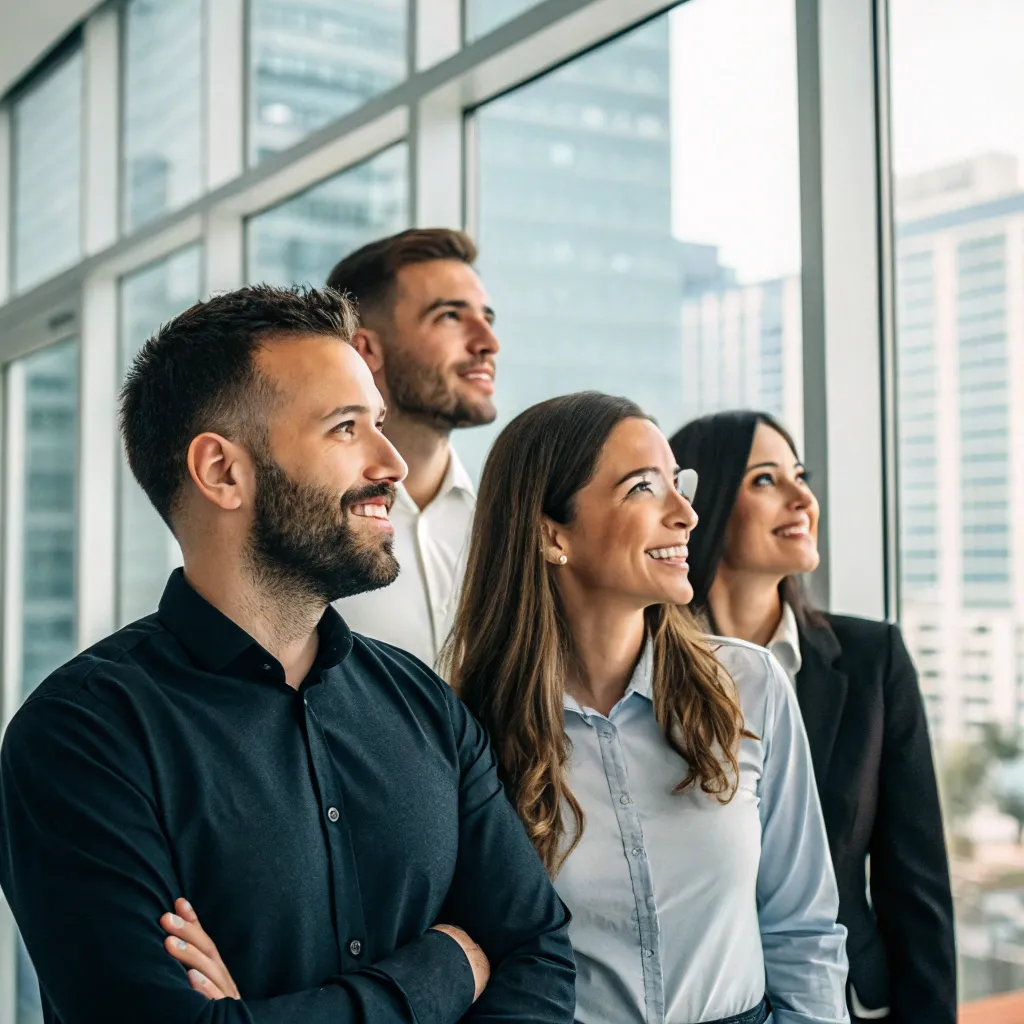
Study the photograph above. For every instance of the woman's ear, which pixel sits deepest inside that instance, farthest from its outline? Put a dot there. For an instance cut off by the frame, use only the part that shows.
(554, 543)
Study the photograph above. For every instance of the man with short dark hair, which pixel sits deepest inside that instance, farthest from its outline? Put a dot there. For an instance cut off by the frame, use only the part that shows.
(426, 333)
(325, 802)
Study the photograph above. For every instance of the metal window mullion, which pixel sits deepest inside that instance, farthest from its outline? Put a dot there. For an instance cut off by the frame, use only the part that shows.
(6, 218)
(842, 271)
(101, 150)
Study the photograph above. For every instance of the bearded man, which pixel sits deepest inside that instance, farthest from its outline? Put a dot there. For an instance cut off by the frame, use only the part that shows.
(426, 333)
(322, 800)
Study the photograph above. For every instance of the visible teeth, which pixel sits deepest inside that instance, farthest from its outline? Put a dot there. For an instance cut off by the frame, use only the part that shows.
(678, 551)
(792, 531)
(373, 511)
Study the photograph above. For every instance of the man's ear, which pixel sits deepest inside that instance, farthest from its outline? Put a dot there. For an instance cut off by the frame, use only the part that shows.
(221, 470)
(367, 342)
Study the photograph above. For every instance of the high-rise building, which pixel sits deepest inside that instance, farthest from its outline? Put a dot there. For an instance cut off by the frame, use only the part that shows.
(574, 219)
(960, 352)
(742, 345)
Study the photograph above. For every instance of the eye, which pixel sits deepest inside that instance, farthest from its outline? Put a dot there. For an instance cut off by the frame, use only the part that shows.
(346, 427)
(763, 480)
(642, 486)
(450, 314)
(804, 476)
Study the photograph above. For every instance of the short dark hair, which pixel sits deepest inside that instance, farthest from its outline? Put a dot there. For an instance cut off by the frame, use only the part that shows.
(368, 275)
(197, 373)
(718, 447)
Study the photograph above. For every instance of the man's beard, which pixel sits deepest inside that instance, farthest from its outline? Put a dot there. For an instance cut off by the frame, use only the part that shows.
(421, 392)
(302, 541)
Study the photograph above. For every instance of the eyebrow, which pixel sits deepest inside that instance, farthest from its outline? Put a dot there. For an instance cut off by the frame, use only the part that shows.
(353, 410)
(452, 304)
(772, 465)
(641, 471)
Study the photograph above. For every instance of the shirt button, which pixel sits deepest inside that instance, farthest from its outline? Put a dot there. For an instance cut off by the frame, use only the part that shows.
(648, 952)
(355, 947)
(332, 813)
(624, 800)
(267, 666)
(637, 851)
(650, 901)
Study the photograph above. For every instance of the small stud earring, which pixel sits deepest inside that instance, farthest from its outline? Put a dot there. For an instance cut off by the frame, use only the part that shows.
(562, 559)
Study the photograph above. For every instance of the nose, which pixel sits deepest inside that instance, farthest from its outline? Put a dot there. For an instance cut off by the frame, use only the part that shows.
(482, 339)
(385, 463)
(683, 515)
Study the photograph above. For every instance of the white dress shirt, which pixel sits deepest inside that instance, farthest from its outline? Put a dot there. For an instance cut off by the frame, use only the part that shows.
(415, 612)
(785, 644)
(686, 909)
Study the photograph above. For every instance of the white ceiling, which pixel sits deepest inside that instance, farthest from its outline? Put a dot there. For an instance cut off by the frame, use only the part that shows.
(28, 28)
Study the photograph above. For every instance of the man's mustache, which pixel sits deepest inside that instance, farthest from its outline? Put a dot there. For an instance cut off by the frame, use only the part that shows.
(359, 495)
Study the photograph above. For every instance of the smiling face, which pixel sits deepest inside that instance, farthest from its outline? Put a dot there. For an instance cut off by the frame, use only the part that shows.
(773, 529)
(439, 358)
(628, 537)
(327, 476)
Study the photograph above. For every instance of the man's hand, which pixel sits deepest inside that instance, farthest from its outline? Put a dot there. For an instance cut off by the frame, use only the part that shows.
(474, 954)
(189, 944)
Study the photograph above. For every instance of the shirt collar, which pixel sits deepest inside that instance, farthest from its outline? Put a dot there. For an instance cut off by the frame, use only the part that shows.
(455, 479)
(785, 644)
(216, 642)
(641, 682)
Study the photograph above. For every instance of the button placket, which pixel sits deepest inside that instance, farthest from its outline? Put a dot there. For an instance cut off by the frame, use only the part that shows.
(640, 875)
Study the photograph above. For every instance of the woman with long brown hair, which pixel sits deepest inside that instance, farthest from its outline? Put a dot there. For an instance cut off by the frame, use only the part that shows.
(663, 777)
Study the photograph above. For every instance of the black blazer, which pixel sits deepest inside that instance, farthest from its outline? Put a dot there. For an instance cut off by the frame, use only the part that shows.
(862, 706)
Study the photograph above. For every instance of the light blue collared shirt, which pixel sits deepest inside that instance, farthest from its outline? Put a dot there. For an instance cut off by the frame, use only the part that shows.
(685, 909)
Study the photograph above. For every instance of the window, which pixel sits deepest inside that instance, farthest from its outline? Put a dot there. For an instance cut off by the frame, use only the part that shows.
(161, 107)
(483, 16)
(47, 174)
(146, 550)
(300, 240)
(958, 144)
(638, 220)
(42, 451)
(313, 62)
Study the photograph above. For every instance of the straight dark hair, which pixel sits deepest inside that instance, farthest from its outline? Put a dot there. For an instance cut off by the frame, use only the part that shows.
(718, 448)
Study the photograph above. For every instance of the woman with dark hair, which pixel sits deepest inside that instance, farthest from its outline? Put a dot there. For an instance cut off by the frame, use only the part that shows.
(859, 696)
(664, 779)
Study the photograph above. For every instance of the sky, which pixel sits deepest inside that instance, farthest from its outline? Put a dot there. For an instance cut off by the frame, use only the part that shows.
(957, 90)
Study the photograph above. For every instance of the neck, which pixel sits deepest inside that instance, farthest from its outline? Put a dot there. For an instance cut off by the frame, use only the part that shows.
(745, 605)
(426, 451)
(607, 641)
(280, 619)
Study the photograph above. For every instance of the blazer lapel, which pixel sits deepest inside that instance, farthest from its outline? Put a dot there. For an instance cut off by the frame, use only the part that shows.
(821, 691)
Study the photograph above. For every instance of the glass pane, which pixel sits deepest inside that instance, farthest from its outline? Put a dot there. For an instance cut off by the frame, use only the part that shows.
(638, 221)
(48, 496)
(483, 16)
(162, 103)
(29, 1008)
(313, 61)
(146, 549)
(958, 147)
(47, 175)
(300, 240)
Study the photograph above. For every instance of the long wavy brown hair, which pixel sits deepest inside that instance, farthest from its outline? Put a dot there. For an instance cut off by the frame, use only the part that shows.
(510, 651)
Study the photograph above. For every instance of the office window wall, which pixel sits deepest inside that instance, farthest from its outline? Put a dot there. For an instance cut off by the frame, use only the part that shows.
(313, 61)
(638, 220)
(483, 16)
(162, 87)
(146, 549)
(47, 172)
(958, 155)
(301, 239)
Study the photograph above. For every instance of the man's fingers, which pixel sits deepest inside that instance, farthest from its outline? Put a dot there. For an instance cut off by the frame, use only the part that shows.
(202, 984)
(184, 909)
(191, 931)
(194, 958)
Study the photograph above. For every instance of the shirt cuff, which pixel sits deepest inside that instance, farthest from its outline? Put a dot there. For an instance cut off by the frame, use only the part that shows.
(435, 975)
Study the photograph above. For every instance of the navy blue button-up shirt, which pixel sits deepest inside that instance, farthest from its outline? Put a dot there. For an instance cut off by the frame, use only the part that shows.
(319, 833)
